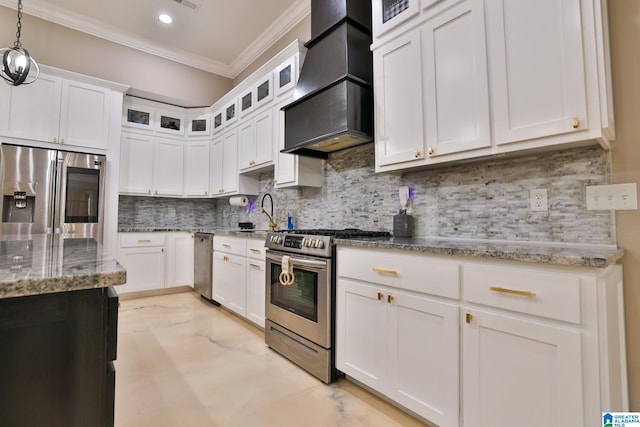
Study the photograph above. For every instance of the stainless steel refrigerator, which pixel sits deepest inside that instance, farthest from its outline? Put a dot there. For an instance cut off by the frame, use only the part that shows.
(51, 192)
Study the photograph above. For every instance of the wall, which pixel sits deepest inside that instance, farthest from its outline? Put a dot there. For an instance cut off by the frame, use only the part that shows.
(483, 200)
(624, 19)
(61, 47)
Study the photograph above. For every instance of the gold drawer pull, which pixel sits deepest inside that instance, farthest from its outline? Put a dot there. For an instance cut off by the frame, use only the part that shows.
(255, 251)
(390, 298)
(144, 241)
(385, 271)
(380, 296)
(469, 317)
(255, 265)
(224, 245)
(576, 122)
(226, 258)
(513, 291)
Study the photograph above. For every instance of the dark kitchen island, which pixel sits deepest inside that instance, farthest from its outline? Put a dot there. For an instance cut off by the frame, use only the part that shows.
(58, 331)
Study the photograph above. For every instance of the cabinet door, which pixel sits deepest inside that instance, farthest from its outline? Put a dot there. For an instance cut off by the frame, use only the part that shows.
(230, 162)
(455, 80)
(361, 332)
(216, 166)
(247, 144)
(145, 268)
(32, 111)
(256, 290)
(520, 370)
(136, 164)
(179, 259)
(263, 125)
(198, 169)
(169, 167)
(423, 356)
(537, 68)
(229, 281)
(84, 115)
(398, 101)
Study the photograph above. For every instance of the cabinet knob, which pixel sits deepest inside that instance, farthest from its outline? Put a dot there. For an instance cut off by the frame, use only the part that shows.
(468, 317)
(431, 150)
(61, 140)
(380, 296)
(251, 163)
(390, 298)
(416, 153)
(576, 122)
(55, 139)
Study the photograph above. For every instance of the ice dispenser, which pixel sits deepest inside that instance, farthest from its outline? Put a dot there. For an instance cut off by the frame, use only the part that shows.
(18, 202)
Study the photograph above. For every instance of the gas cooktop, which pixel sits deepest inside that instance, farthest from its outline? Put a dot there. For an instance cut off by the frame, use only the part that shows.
(318, 242)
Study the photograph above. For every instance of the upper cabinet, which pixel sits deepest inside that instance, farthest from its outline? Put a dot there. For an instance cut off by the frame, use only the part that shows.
(462, 79)
(59, 110)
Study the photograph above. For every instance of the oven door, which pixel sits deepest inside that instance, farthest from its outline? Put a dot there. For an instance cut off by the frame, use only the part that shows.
(303, 307)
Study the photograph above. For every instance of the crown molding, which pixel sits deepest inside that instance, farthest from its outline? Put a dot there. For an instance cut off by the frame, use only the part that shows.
(292, 16)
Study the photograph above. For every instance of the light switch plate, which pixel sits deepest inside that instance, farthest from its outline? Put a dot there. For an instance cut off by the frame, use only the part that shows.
(612, 197)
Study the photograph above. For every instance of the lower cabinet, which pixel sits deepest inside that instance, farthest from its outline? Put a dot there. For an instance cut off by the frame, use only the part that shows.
(156, 260)
(527, 343)
(239, 276)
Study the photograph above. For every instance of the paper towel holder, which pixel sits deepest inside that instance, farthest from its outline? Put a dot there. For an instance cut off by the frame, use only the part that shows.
(238, 201)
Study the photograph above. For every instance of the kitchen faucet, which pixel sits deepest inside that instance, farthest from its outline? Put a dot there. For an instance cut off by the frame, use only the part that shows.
(272, 223)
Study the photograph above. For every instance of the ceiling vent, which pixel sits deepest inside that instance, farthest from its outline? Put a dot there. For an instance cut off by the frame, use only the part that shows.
(191, 5)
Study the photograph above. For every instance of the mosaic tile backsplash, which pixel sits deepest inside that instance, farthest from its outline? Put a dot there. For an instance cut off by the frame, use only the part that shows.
(477, 200)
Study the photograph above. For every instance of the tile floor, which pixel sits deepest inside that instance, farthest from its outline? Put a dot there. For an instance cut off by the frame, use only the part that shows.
(183, 362)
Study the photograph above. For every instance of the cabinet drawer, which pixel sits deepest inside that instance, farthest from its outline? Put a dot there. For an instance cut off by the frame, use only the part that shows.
(545, 294)
(232, 245)
(403, 270)
(256, 249)
(133, 240)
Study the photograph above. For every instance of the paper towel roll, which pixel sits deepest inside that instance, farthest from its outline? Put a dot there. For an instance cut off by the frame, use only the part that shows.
(238, 201)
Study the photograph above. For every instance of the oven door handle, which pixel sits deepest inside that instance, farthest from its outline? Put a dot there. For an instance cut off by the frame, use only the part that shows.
(306, 262)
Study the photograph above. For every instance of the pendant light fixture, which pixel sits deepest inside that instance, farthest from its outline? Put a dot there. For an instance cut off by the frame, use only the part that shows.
(16, 61)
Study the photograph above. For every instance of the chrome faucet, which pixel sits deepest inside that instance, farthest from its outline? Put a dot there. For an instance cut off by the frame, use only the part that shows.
(272, 223)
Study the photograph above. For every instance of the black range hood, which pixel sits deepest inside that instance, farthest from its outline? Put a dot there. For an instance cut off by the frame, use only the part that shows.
(333, 101)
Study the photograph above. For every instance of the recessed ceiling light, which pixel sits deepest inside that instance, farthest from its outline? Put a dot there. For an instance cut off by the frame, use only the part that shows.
(165, 19)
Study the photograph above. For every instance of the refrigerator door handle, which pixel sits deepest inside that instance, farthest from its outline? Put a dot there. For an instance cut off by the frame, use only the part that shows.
(60, 187)
(50, 228)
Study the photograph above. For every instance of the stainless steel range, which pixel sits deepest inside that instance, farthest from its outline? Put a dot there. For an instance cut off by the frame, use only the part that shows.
(300, 299)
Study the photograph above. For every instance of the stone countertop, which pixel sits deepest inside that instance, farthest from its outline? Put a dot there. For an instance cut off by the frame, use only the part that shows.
(551, 253)
(42, 264)
(234, 232)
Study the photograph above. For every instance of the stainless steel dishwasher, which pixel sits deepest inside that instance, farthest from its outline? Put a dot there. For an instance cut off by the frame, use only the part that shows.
(203, 265)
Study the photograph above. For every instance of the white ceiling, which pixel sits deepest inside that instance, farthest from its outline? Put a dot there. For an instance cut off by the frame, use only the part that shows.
(220, 36)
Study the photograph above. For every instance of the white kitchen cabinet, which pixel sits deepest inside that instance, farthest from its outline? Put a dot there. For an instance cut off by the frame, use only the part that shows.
(256, 281)
(256, 141)
(57, 110)
(198, 159)
(143, 256)
(229, 273)
(400, 342)
(538, 82)
(180, 259)
(292, 170)
(225, 180)
(414, 326)
(543, 363)
(151, 165)
(466, 79)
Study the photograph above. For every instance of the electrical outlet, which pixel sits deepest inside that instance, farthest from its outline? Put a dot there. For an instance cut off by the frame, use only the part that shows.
(538, 200)
(612, 197)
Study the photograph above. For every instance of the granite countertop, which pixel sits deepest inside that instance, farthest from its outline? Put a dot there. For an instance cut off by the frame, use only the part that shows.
(256, 234)
(42, 264)
(554, 254)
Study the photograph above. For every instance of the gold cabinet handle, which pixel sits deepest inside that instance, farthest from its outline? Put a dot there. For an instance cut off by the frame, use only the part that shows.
(512, 291)
(255, 251)
(385, 271)
(255, 265)
(416, 153)
(390, 298)
(251, 163)
(380, 296)
(225, 258)
(576, 122)
(55, 139)
(225, 245)
(144, 241)
(469, 316)
(431, 150)
(61, 140)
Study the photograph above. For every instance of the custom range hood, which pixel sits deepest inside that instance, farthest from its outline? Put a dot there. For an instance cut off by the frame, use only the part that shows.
(333, 100)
